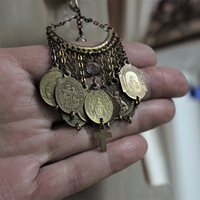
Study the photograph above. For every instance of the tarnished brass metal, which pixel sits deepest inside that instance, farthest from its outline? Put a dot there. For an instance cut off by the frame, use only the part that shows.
(132, 82)
(75, 122)
(69, 95)
(85, 48)
(103, 135)
(48, 84)
(81, 113)
(98, 105)
(116, 109)
(127, 104)
(114, 96)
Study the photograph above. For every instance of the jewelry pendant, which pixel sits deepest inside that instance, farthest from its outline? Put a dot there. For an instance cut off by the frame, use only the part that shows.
(132, 82)
(48, 84)
(98, 105)
(102, 136)
(69, 95)
(115, 96)
(127, 104)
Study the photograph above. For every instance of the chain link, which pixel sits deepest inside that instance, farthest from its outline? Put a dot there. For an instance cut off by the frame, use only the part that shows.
(82, 71)
(62, 23)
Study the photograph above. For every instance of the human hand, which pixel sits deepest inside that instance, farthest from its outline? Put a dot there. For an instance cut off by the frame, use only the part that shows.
(39, 160)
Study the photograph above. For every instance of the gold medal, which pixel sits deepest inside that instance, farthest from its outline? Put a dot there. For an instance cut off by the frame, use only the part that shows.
(98, 106)
(69, 95)
(48, 84)
(132, 81)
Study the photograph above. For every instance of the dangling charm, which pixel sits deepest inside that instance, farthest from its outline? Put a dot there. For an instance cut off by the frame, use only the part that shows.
(132, 82)
(115, 96)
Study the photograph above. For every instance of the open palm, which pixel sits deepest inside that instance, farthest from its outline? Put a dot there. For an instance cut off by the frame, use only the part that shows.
(42, 158)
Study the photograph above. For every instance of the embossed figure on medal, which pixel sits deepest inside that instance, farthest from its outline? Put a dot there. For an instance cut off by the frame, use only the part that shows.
(114, 97)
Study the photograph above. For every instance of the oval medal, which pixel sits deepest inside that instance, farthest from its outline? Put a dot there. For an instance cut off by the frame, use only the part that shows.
(48, 84)
(132, 81)
(98, 105)
(69, 95)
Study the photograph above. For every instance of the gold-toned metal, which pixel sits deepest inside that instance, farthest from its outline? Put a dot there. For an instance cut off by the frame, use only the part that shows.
(72, 115)
(116, 109)
(48, 84)
(98, 105)
(103, 135)
(57, 108)
(127, 104)
(75, 122)
(69, 95)
(132, 82)
(81, 113)
(86, 48)
(75, 62)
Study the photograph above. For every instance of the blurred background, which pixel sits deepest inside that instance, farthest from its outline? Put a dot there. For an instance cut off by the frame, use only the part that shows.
(171, 168)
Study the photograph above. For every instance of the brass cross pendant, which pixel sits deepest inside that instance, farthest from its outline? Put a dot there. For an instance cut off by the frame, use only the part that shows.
(102, 135)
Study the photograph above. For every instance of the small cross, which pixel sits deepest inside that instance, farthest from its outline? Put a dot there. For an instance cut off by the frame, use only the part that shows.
(102, 135)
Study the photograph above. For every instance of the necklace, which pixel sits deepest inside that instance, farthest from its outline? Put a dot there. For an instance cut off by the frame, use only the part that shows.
(117, 87)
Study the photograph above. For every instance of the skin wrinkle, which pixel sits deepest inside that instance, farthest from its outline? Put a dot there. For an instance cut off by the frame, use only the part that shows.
(48, 148)
(74, 182)
(152, 58)
(83, 141)
(20, 142)
(30, 173)
(73, 144)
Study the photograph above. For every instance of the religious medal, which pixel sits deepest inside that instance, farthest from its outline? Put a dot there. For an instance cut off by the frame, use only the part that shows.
(132, 81)
(126, 103)
(69, 95)
(114, 96)
(98, 105)
(48, 84)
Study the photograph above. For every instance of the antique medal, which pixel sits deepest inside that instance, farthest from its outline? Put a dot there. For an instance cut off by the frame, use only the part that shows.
(98, 105)
(117, 87)
(132, 82)
(69, 95)
(48, 84)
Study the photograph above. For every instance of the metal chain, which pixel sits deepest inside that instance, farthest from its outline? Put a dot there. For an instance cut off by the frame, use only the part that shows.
(62, 23)
(105, 27)
(82, 71)
(102, 67)
(79, 23)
